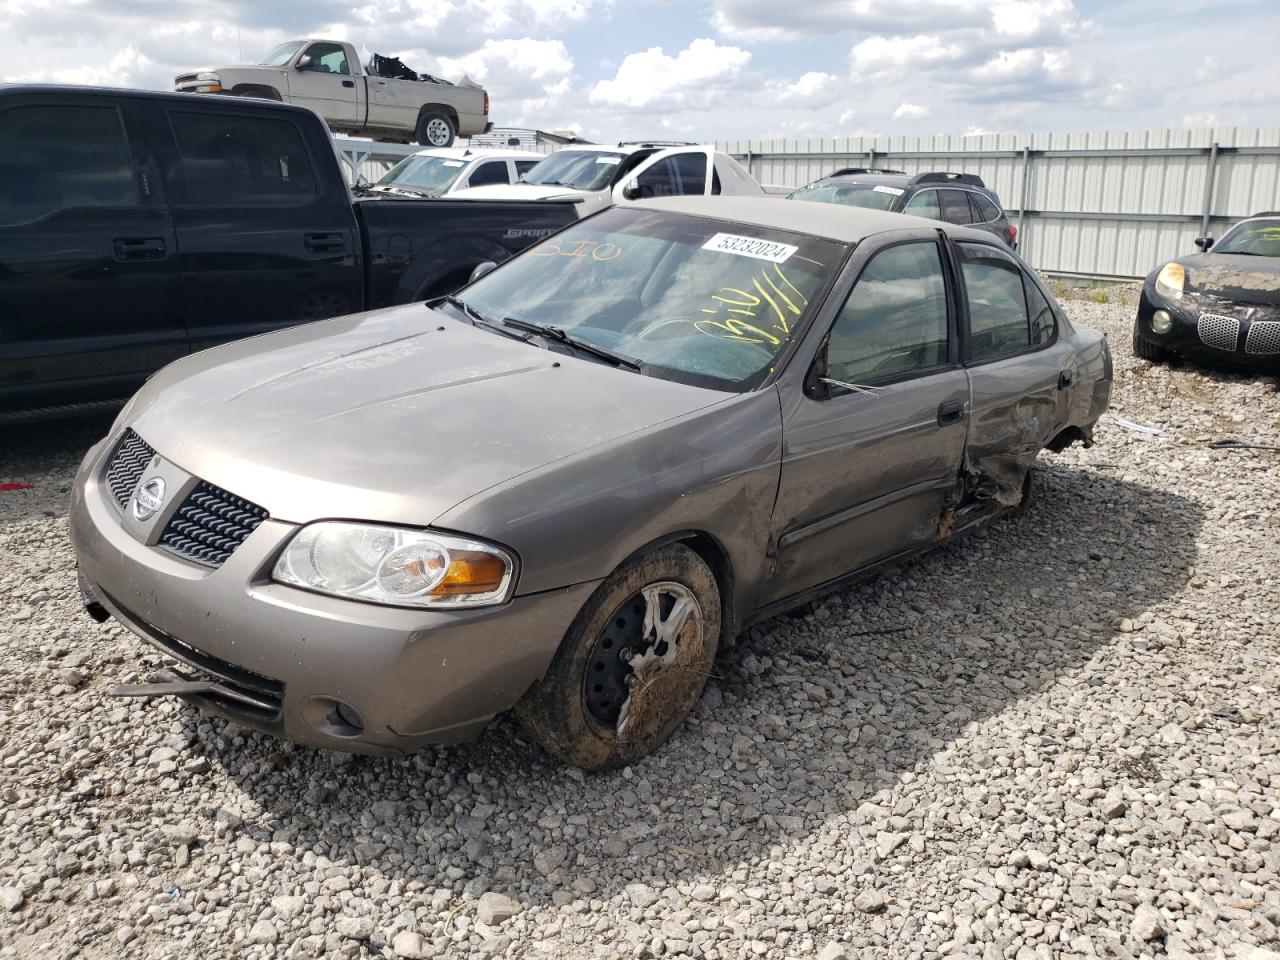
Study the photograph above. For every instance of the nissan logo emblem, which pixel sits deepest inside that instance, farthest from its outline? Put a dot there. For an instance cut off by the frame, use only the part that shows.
(148, 499)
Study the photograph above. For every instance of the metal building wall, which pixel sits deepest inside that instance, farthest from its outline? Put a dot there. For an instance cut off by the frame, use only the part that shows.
(1093, 204)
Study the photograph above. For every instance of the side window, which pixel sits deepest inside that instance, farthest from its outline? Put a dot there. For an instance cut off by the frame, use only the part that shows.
(895, 320)
(660, 180)
(924, 204)
(715, 182)
(57, 157)
(236, 159)
(987, 211)
(955, 206)
(691, 169)
(494, 171)
(328, 58)
(997, 303)
(524, 166)
(1044, 324)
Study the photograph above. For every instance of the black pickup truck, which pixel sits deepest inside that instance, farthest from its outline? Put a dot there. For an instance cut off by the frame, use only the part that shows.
(138, 227)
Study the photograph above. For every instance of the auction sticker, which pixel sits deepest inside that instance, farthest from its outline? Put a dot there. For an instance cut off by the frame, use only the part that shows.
(752, 247)
(611, 161)
(881, 188)
(452, 163)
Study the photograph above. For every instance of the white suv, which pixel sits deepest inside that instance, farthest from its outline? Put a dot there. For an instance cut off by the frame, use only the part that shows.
(447, 170)
(599, 176)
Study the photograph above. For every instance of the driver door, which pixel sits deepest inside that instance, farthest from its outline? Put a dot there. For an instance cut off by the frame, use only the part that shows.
(670, 173)
(324, 82)
(871, 454)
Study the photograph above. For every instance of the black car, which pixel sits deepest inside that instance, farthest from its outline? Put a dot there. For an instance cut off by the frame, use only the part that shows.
(1221, 305)
(138, 227)
(954, 197)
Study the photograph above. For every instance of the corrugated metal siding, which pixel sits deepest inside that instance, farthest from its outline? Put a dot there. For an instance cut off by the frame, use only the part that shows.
(1100, 215)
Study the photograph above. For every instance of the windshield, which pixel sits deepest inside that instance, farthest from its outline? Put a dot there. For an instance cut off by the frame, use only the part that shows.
(850, 195)
(580, 169)
(281, 54)
(707, 302)
(423, 174)
(1259, 238)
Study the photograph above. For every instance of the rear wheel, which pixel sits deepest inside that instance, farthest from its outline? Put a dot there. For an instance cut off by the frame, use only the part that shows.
(1147, 350)
(632, 665)
(436, 130)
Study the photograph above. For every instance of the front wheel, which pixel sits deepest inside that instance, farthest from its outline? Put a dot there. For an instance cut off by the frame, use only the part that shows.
(632, 665)
(436, 130)
(1146, 350)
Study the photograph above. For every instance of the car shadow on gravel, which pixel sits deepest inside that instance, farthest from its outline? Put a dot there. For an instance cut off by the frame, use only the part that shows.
(42, 459)
(807, 718)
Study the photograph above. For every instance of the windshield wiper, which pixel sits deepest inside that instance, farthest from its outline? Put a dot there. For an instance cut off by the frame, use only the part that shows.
(556, 335)
(477, 319)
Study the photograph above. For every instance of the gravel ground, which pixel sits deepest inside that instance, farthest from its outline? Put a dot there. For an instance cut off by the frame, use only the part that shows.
(1066, 748)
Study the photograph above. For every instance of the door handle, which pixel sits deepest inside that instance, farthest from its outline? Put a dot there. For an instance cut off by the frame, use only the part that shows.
(324, 242)
(1065, 379)
(138, 248)
(348, 83)
(952, 411)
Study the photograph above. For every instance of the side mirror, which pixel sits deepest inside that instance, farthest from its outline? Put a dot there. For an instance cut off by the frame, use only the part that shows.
(1204, 243)
(815, 385)
(632, 190)
(481, 268)
(304, 63)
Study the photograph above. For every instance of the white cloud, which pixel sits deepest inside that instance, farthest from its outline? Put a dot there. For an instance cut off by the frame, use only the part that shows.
(884, 56)
(910, 111)
(691, 79)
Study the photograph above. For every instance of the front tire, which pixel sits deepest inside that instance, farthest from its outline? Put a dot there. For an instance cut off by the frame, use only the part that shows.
(436, 130)
(632, 665)
(1146, 350)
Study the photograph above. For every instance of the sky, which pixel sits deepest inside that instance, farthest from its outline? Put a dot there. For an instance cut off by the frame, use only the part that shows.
(724, 69)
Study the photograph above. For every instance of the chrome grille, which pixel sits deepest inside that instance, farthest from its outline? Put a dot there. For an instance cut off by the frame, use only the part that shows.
(1221, 333)
(128, 460)
(1264, 337)
(210, 524)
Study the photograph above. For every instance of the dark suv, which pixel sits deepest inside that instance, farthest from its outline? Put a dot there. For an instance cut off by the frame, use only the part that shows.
(954, 197)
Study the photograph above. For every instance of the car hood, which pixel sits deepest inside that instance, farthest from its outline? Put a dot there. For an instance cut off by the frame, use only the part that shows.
(1229, 276)
(395, 415)
(521, 191)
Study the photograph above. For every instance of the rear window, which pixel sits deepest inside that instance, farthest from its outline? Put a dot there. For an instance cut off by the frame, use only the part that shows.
(865, 195)
(242, 160)
(62, 157)
(987, 211)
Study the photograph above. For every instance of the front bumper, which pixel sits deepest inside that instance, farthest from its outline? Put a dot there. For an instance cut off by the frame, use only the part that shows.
(1213, 330)
(413, 676)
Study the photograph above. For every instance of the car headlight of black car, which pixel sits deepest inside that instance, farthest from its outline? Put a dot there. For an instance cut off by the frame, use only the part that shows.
(1171, 281)
(398, 566)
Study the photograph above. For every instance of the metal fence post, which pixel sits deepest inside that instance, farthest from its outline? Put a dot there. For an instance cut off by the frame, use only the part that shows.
(1022, 200)
(1206, 210)
(871, 159)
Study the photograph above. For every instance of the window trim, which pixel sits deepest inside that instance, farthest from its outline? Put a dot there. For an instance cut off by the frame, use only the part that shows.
(185, 202)
(952, 362)
(973, 194)
(962, 300)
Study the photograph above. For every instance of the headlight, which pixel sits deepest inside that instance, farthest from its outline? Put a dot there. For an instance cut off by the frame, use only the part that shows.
(207, 76)
(394, 565)
(1170, 281)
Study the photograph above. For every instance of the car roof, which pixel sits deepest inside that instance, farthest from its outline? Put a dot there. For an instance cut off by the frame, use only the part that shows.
(830, 220)
(889, 179)
(77, 91)
(478, 153)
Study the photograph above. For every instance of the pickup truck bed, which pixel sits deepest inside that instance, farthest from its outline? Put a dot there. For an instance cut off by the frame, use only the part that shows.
(137, 227)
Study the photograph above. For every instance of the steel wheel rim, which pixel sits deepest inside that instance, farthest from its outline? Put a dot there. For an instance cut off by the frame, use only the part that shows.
(639, 659)
(437, 132)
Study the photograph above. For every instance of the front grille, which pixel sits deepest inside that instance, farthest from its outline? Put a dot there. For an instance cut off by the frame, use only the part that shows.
(128, 460)
(235, 687)
(1221, 333)
(1264, 337)
(210, 524)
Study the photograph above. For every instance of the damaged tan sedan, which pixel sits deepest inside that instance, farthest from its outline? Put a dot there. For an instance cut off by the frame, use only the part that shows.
(564, 489)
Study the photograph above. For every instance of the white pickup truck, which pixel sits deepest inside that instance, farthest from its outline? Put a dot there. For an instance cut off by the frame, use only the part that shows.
(384, 100)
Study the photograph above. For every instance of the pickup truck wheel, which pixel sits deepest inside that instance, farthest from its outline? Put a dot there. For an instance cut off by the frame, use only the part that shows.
(632, 665)
(435, 130)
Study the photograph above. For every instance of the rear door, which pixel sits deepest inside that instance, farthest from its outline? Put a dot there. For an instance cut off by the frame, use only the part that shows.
(265, 230)
(872, 453)
(1020, 371)
(325, 80)
(88, 262)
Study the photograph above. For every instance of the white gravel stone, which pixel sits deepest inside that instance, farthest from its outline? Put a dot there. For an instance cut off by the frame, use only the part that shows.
(495, 908)
(408, 945)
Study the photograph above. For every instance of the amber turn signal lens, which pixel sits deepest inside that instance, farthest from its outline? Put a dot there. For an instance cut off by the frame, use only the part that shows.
(471, 573)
